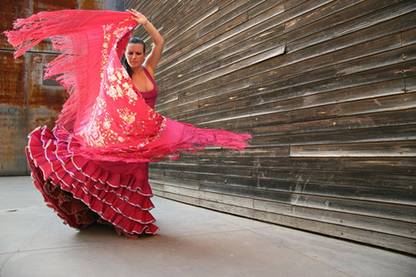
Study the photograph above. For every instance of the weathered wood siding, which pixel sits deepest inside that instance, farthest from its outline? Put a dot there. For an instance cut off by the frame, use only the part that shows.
(27, 101)
(328, 90)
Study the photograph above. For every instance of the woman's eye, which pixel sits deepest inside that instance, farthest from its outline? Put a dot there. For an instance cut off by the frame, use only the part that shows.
(130, 53)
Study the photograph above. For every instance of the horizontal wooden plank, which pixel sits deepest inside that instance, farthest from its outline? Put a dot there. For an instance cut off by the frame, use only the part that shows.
(366, 205)
(380, 134)
(396, 242)
(366, 149)
(376, 187)
(272, 117)
(212, 161)
(391, 165)
(363, 15)
(393, 227)
(362, 121)
(270, 100)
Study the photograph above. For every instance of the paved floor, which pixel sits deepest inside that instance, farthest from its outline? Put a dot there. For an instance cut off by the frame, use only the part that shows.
(192, 241)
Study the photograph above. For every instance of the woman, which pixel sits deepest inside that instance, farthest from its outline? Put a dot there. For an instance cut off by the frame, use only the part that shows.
(134, 57)
(93, 165)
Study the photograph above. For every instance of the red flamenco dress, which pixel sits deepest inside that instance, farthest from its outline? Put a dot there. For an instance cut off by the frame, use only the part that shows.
(93, 165)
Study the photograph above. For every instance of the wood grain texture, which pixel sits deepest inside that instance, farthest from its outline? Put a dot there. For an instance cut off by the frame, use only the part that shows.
(327, 88)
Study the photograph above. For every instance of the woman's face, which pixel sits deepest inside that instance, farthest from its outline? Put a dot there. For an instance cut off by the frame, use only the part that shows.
(134, 54)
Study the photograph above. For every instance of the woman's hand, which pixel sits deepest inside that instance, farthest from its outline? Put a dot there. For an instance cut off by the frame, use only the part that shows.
(153, 58)
(140, 18)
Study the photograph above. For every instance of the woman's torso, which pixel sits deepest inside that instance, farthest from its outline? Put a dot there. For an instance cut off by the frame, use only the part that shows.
(150, 95)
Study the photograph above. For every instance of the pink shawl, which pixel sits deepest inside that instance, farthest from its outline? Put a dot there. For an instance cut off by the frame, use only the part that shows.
(103, 117)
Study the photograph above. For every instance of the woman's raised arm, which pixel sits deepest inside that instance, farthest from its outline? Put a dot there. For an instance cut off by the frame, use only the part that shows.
(158, 42)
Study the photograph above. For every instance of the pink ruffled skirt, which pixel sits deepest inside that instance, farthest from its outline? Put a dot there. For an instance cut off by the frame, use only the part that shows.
(83, 192)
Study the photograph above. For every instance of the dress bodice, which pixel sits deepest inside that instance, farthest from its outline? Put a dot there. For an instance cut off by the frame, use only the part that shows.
(149, 96)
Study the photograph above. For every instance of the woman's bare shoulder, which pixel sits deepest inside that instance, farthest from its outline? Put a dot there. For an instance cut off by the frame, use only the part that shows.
(150, 69)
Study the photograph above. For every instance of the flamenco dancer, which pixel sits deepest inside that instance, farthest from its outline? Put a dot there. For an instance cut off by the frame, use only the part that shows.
(92, 167)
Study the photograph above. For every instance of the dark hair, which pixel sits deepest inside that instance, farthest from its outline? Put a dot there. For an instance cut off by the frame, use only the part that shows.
(135, 40)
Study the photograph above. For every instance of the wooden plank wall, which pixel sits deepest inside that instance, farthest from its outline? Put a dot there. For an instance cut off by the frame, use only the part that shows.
(333, 115)
(27, 101)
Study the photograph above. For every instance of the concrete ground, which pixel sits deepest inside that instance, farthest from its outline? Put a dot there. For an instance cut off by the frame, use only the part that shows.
(192, 241)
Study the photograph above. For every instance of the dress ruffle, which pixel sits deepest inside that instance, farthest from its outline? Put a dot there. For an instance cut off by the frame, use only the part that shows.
(83, 191)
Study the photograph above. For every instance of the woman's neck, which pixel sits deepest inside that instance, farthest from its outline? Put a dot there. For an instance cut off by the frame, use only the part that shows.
(137, 69)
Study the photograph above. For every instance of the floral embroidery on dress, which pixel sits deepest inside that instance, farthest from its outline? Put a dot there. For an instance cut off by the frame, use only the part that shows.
(127, 115)
(131, 94)
(114, 119)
